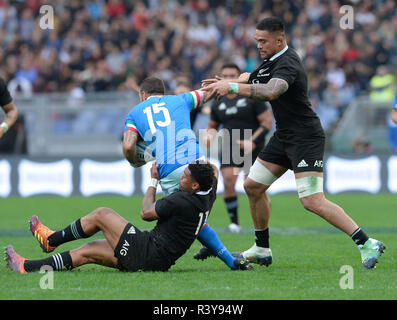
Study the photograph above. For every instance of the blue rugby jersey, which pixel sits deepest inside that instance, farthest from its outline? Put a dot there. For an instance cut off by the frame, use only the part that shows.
(163, 122)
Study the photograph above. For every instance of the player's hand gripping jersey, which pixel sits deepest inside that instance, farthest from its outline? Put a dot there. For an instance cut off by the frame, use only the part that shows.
(163, 122)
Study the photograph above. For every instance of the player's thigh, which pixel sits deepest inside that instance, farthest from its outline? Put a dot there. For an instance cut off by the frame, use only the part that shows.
(98, 252)
(262, 175)
(111, 224)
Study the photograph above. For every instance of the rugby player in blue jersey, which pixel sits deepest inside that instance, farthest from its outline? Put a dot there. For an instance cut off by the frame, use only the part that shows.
(163, 122)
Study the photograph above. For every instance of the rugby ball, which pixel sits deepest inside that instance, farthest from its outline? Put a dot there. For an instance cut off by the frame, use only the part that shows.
(144, 152)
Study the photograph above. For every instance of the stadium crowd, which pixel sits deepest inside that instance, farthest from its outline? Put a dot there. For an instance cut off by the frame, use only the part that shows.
(100, 45)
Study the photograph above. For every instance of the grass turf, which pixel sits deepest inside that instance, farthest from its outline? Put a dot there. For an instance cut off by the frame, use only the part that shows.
(308, 254)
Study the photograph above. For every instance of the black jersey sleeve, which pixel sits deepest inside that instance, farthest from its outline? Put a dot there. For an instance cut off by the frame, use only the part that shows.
(259, 107)
(214, 112)
(5, 97)
(286, 69)
(165, 207)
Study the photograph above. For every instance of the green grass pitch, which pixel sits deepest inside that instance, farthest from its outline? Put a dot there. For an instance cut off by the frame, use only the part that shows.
(308, 254)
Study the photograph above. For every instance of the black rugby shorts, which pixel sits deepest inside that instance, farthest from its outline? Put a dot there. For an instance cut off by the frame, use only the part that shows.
(136, 251)
(298, 152)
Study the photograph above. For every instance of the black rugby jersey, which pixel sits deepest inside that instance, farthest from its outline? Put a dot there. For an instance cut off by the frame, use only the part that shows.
(238, 113)
(181, 217)
(5, 97)
(292, 110)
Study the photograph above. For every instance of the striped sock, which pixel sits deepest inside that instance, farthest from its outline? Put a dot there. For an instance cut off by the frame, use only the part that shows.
(231, 206)
(57, 262)
(72, 232)
(359, 236)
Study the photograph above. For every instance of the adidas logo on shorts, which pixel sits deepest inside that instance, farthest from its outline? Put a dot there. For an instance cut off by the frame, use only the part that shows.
(302, 164)
(131, 230)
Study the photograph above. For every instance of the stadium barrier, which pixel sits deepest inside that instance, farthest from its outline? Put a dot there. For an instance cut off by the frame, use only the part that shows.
(83, 176)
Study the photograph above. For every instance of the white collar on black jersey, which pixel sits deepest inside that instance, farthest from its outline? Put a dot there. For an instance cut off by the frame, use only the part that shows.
(204, 193)
(278, 53)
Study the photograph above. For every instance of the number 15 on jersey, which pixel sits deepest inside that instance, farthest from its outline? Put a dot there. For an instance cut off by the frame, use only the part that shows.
(154, 109)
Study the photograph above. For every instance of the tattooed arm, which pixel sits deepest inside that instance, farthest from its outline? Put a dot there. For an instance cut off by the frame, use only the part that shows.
(129, 146)
(259, 91)
(264, 91)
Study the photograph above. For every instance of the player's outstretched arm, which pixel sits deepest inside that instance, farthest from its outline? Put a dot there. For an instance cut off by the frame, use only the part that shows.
(243, 78)
(259, 91)
(265, 92)
(208, 95)
(10, 117)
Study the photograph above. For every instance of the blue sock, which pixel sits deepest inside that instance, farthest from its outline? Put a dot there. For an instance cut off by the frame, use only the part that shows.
(209, 238)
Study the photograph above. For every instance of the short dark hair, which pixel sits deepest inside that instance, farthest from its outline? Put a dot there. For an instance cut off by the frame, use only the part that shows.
(271, 24)
(203, 173)
(152, 85)
(231, 65)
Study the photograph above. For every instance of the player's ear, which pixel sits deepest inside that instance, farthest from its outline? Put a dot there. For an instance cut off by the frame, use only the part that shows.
(142, 95)
(280, 38)
(195, 186)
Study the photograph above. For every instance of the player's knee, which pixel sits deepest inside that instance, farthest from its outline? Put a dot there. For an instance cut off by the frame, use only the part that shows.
(310, 191)
(307, 204)
(102, 213)
(229, 183)
(253, 189)
(86, 255)
(83, 255)
(312, 203)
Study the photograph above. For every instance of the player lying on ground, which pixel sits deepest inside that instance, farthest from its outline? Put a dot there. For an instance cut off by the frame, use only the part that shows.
(163, 122)
(180, 217)
(298, 143)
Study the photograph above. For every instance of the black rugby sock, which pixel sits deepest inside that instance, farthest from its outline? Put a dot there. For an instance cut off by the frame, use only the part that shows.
(262, 238)
(232, 206)
(71, 232)
(359, 236)
(57, 262)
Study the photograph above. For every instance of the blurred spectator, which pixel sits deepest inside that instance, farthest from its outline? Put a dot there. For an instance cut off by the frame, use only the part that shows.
(382, 85)
(20, 88)
(335, 75)
(102, 42)
(361, 146)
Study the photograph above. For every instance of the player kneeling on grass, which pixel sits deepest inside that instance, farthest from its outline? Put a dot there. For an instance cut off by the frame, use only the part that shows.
(180, 216)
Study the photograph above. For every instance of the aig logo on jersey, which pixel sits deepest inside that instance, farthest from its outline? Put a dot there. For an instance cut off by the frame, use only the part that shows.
(124, 248)
(319, 163)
